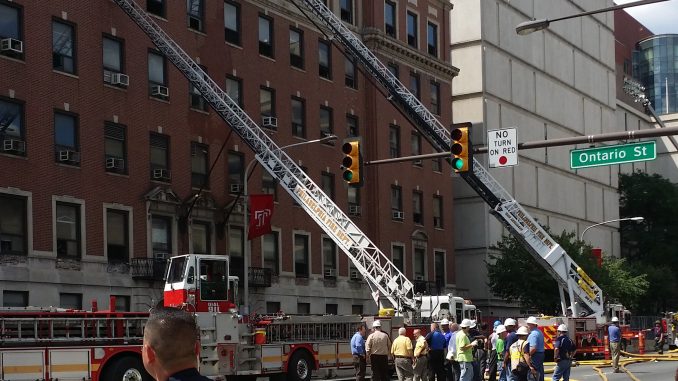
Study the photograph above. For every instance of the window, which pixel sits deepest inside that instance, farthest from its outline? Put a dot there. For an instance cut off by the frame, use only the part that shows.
(326, 127)
(356, 309)
(157, 78)
(435, 97)
(63, 47)
(419, 264)
(68, 230)
(13, 228)
(161, 236)
(272, 307)
(324, 59)
(329, 258)
(201, 235)
(236, 249)
(156, 7)
(10, 27)
(398, 257)
(327, 184)
(269, 185)
(417, 208)
(350, 78)
(412, 35)
(12, 127)
(267, 103)
(271, 252)
(122, 303)
(437, 164)
(415, 144)
(296, 48)
(331, 309)
(396, 199)
(438, 212)
(14, 298)
(117, 236)
(236, 169)
(394, 140)
(71, 301)
(432, 39)
(66, 138)
(160, 157)
(232, 22)
(195, 98)
(354, 198)
(303, 308)
(393, 68)
(199, 162)
(352, 125)
(195, 10)
(265, 36)
(439, 269)
(301, 268)
(115, 145)
(346, 7)
(298, 117)
(414, 85)
(390, 18)
(234, 89)
(112, 50)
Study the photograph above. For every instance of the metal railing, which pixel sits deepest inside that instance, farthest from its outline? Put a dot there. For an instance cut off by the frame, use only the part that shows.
(260, 277)
(149, 268)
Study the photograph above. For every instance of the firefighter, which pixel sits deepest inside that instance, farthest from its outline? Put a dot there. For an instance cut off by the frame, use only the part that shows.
(170, 347)
(378, 347)
(658, 337)
(563, 353)
(614, 333)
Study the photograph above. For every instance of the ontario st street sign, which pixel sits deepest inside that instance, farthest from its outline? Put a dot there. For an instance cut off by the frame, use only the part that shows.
(616, 154)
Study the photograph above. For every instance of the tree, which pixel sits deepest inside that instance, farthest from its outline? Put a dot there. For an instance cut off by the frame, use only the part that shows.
(515, 275)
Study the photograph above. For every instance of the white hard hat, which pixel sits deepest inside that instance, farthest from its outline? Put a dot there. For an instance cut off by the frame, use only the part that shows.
(501, 328)
(466, 323)
(615, 319)
(562, 328)
(444, 322)
(509, 322)
(523, 331)
(473, 323)
(532, 320)
(376, 323)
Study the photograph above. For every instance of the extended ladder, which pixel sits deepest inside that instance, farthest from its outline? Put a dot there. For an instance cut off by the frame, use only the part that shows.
(554, 259)
(381, 274)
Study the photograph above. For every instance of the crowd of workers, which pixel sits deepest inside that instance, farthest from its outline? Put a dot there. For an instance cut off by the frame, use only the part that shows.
(462, 352)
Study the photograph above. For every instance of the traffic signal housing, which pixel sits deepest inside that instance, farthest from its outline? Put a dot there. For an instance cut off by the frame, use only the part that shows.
(461, 150)
(352, 163)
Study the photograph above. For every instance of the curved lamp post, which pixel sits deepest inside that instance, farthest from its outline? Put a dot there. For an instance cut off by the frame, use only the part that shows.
(581, 237)
(528, 27)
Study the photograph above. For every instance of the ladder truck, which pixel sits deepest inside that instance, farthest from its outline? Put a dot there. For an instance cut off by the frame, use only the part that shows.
(583, 292)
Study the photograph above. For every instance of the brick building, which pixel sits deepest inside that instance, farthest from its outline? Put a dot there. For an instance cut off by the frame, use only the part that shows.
(107, 149)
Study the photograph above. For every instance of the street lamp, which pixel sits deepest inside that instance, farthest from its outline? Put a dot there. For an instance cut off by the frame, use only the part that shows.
(527, 27)
(246, 254)
(581, 237)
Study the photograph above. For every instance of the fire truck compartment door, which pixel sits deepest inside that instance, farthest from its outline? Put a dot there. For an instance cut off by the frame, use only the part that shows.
(23, 365)
(69, 364)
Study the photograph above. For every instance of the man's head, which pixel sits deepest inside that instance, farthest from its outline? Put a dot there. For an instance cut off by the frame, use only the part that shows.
(170, 342)
(501, 331)
(562, 329)
(376, 325)
(615, 320)
(466, 325)
(402, 331)
(510, 325)
(531, 322)
(434, 327)
(522, 332)
(454, 327)
(362, 329)
(417, 333)
(445, 325)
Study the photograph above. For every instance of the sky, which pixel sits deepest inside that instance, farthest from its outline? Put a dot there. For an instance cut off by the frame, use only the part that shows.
(660, 18)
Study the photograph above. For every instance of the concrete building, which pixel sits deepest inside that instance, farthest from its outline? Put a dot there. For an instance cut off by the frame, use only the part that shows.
(107, 150)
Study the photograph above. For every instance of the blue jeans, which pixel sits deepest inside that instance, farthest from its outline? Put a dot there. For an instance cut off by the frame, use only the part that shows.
(538, 362)
(502, 371)
(466, 371)
(562, 369)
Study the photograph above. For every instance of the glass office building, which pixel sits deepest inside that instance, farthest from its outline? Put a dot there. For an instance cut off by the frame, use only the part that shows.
(656, 67)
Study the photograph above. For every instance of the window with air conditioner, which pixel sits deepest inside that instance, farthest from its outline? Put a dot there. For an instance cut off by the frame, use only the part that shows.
(157, 76)
(195, 10)
(113, 62)
(195, 98)
(236, 170)
(66, 143)
(11, 33)
(63, 47)
(13, 228)
(267, 108)
(115, 146)
(159, 148)
(12, 122)
(396, 202)
(329, 257)
(161, 236)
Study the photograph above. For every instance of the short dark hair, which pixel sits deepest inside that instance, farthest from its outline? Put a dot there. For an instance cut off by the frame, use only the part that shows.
(172, 333)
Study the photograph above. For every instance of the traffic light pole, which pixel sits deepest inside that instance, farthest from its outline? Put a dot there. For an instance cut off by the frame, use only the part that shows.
(612, 136)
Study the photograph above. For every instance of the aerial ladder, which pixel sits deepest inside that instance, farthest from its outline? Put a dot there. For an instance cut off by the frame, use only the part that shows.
(508, 211)
(383, 277)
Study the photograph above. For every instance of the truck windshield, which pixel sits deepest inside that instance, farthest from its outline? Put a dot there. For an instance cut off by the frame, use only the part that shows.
(177, 269)
(213, 279)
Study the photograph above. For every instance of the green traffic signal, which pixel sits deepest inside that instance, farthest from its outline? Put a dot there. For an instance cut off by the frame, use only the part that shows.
(458, 164)
(352, 162)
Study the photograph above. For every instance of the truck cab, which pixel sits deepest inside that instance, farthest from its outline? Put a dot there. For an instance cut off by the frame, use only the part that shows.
(450, 307)
(200, 282)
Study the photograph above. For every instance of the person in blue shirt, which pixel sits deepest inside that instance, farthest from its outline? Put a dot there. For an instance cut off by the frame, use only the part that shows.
(563, 352)
(536, 342)
(614, 334)
(358, 352)
(436, 355)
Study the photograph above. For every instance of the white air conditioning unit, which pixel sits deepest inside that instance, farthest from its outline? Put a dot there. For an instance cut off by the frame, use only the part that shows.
(161, 255)
(14, 145)
(418, 162)
(355, 275)
(159, 91)
(115, 163)
(235, 188)
(270, 121)
(69, 156)
(418, 277)
(354, 210)
(398, 215)
(330, 273)
(161, 174)
(120, 79)
(10, 45)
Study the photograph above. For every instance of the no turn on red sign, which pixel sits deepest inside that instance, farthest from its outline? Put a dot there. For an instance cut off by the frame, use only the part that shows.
(502, 147)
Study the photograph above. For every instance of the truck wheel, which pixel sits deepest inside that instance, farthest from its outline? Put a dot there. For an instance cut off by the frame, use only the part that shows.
(128, 368)
(300, 367)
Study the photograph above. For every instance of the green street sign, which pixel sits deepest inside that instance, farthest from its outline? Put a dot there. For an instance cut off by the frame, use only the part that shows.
(617, 154)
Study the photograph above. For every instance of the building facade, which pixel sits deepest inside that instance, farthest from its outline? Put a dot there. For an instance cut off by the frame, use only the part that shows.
(656, 66)
(111, 162)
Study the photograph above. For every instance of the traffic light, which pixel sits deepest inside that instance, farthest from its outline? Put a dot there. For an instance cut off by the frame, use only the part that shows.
(462, 152)
(352, 164)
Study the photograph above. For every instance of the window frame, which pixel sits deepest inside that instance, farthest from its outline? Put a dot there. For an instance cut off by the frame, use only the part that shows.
(271, 91)
(352, 129)
(418, 215)
(437, 211)
(307, 254)
(126, 214)
(298, 129)
(21, 105)
(333, 248)
(412, 39)
(121, 53)
(434, 95)
(24, 216)
(166, 139)
(239, 177)
(350, 73)
(231, 79)
(347, 15)
(163, 5)
(432, 49)
(204, 148)
(325, 71)
(24, 295)
(152, 83)
(19, 20)
(397, 196)
(200, 17)
(195, 99)
(267, 49)
(74, 47)
(330, 121)
(107, 136)
(391, 30)
(297, 60)
(415, 148)
(402, 259)
(276, 242)
(76, 138)
(329, 177)
(415, 84)
(78, 230)
(233, 36)
(394, 151)
(169, 249)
